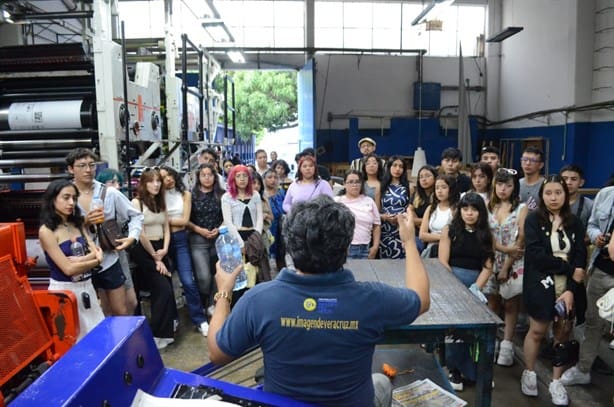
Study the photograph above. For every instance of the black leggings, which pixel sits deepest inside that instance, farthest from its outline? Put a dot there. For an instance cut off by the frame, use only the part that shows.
(163, 307)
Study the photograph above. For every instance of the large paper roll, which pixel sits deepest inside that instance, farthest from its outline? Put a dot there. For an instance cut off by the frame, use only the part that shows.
(65, 114)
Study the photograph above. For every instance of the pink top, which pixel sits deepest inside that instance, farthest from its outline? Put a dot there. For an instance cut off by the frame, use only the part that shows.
(366, 215)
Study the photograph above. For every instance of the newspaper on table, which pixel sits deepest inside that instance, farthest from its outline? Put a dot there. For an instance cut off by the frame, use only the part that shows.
(424, 393)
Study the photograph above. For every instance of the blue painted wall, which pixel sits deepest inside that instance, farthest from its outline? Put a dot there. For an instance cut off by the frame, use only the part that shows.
(590, 145)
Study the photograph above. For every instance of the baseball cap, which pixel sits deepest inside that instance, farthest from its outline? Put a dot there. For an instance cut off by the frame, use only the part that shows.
(367, 139)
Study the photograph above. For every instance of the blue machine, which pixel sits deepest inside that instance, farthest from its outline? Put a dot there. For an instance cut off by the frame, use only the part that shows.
(118, 357)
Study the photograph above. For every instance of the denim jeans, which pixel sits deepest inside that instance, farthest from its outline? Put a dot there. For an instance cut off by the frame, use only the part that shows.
(204, 257)
(459, 355)
(358, 251)
(180, 251)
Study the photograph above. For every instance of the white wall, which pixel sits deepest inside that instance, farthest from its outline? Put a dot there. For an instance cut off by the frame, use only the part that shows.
(382, 86)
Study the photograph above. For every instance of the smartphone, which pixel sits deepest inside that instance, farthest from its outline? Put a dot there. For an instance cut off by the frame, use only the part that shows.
(85, 297)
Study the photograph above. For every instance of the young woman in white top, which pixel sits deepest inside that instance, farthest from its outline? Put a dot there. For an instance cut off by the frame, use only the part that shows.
(365, 242)
(507, 225)
(242, 209)
(150, 257)
(439, 214)
(178, 207)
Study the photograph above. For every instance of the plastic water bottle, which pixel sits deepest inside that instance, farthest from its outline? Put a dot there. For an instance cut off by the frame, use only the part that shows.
(229, 253)
(76, 248)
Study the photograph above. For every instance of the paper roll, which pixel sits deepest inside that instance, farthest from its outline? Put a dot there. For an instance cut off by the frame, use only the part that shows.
(64, 114)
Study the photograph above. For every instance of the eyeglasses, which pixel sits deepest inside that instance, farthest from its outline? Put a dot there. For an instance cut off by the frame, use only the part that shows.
(530, 160)
(82, 166)
(353, 182)
(562, 244)
(151, 169)
(504, 171)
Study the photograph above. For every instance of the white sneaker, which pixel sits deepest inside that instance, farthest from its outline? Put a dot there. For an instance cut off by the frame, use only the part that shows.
(506, 354)
(204, 328)
(456, 380)
(162, 343)
(558, 393)
(528, 383)
(573, 375)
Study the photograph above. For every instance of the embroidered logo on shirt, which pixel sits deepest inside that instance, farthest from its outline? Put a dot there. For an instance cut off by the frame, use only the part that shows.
(309, 304)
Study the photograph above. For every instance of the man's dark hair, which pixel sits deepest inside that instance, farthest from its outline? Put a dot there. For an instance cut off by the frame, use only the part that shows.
(573, 168)
(211, 151)
(452, 153)
(536, 151)
(260, 150)
(317, 234)
(309, 151)
(490, 149)
(79, 153)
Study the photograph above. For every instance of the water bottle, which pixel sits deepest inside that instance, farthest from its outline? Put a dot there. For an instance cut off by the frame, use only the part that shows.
(76, 248)
(229, 253)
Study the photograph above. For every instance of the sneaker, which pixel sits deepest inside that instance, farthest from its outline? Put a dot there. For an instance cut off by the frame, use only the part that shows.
(456, 381)
(558, 393)
(162, 343)
(528, 383)
(506, 354)
(204, 328)
(573, 375)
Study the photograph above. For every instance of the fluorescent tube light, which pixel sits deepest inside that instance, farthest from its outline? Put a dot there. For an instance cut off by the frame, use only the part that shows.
(236, 57)
(506, 33)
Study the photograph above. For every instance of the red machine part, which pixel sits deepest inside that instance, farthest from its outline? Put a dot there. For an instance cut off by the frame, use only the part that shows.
(35, 326)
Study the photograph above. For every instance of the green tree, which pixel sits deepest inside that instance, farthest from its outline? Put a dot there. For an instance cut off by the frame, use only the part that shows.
(264, 100)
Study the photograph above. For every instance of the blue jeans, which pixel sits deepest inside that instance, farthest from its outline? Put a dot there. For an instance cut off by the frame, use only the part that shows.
(180, 252)
(459, 355)
(204, 257)
(358, 251)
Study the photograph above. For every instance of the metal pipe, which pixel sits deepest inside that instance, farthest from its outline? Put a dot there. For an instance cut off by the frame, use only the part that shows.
(34, 153)
(18, 18)
(19, 145)
(6, 178)
(184, 94)
(49, 134)
(34, 162)
(127, 127)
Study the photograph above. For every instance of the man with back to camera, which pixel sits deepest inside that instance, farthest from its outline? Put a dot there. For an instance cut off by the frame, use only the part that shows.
(316, 325)
(366, 145)
(490, 156)
(532, 162)
(451, 161)
(81, 163)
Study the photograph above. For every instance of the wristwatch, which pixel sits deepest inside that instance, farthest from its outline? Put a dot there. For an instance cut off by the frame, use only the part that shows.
(222, 294)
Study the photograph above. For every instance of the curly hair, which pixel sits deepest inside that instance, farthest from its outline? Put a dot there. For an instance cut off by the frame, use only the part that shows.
(155, 203)
(482, 228)
(232, 185)
(48, 215)
(79, 153)
(317, 234)
(173, 173)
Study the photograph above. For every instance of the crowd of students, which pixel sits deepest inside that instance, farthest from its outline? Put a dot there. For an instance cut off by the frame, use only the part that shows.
(520, 242)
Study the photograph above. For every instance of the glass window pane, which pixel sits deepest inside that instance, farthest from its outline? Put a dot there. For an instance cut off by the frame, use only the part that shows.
(328, 14)
(357, 38)
(386, 38)
(289, 37)
(258, 13)
(329, 38)
(386, 15)
(289, 14)
(259, 37)
(357, 15)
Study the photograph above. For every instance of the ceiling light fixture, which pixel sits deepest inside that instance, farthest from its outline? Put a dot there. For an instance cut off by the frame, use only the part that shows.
(506, 33)
(236, 57)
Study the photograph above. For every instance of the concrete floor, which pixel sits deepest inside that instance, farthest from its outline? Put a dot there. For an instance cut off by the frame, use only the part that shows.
(190, 352)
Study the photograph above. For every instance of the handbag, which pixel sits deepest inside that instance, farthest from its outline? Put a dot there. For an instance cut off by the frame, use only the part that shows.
(512, 286)
(109, 230)
(605, 305)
